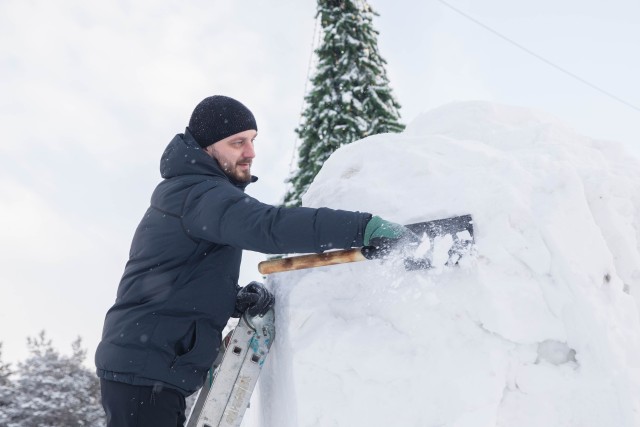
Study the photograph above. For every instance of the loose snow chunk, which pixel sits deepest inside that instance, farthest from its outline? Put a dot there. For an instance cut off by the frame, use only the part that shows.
(441, 247)
(555, 352)
(464, 236)
(424, 247)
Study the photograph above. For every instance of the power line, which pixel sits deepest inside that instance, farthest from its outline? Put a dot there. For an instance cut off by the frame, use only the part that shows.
(530, 52)
(306, 83)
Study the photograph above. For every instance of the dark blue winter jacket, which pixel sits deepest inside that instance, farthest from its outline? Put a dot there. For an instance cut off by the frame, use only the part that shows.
(179, 286)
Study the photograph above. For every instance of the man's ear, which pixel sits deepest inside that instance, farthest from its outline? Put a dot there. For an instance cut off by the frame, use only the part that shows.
(209, 151)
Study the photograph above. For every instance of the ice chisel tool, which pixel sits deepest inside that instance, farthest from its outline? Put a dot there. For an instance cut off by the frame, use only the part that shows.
(460, 228)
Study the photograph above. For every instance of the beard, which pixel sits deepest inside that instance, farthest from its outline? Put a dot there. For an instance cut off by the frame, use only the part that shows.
(237, 171)
(241, 174)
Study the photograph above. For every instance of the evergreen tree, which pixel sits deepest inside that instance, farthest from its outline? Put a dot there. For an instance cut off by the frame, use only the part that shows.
(350, 98)
(6, 391)
(54, 390)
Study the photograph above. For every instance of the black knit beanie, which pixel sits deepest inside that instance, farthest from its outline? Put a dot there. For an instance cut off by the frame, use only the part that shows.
(218, 117)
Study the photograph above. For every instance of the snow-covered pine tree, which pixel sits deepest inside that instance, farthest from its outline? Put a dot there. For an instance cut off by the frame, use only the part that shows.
(6, 391)
(54, 390)
(350, 97)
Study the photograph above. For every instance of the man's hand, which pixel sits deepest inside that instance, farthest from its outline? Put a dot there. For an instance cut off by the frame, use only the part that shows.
(386, 235)
(255, 299)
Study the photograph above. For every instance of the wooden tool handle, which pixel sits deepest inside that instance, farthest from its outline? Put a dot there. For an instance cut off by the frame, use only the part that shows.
(309, 261)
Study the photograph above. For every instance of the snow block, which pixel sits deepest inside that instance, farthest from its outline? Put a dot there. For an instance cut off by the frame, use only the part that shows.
(542, 328)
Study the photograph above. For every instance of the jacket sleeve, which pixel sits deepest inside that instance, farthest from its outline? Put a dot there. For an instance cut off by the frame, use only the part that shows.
(223, 214)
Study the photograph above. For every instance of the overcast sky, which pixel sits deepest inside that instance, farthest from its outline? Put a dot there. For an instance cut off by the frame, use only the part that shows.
(91, 93)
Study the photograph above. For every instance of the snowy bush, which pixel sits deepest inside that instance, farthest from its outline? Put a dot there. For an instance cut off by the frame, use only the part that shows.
(51, 390)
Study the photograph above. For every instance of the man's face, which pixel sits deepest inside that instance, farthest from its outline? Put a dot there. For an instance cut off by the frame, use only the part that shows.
(235, 155)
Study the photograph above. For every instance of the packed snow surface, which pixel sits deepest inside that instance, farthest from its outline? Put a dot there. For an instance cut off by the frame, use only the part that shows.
(541, 328)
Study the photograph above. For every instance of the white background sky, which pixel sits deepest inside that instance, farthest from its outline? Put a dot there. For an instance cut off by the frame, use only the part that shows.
(91, 93)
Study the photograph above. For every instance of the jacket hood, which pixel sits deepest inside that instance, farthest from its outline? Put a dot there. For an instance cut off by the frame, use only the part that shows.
(183, 156)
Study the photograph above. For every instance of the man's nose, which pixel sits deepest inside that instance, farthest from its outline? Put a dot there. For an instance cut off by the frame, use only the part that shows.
(249, 151)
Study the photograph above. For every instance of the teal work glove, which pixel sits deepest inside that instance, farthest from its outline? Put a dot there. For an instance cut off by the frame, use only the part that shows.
(386, 235)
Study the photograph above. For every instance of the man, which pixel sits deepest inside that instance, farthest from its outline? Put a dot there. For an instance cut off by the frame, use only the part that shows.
(179, 287)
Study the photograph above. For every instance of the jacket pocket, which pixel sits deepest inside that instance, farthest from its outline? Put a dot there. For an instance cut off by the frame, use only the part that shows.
(205, 345)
